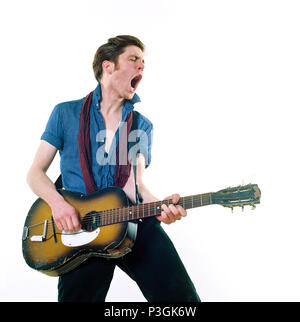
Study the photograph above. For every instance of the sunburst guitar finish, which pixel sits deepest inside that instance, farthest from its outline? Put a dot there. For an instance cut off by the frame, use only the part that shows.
(55, 252)
(108, 225)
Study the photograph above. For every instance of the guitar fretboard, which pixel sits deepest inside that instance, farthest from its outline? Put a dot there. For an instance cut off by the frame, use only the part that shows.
(117, 215)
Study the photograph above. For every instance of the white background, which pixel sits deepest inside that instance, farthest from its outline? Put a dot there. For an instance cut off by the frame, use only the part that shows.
(221, 86)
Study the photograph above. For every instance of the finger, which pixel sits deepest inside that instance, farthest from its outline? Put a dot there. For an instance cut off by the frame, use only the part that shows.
(174, 213)
(166, 219)
(174, 210)
(167, 212)
(175, 198)
(76, 222)
(169, 215)
(58, 224)
(165, 208)
(181, 211)
(64, 225)
(69, 224)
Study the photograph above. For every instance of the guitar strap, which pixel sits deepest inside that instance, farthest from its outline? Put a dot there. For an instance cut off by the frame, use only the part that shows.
(134, 126)
(58, 183)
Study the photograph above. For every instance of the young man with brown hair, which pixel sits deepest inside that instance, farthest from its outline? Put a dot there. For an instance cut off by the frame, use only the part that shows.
(91, 162)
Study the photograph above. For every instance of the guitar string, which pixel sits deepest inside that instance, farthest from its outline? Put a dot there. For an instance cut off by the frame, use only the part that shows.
(146, 207)
(181, 201)
(75, 232)
(110, 215)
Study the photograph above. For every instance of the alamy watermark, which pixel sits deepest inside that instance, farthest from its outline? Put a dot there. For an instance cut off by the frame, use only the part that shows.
(138, 141)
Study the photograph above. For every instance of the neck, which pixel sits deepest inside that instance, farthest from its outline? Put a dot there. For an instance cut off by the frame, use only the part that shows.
(110, 102)
(117, 215)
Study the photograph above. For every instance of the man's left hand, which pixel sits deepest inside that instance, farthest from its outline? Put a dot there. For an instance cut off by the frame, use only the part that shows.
(172, 212)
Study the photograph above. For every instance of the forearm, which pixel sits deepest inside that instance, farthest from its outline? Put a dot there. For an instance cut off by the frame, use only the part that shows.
(43, 187)
(64, 214)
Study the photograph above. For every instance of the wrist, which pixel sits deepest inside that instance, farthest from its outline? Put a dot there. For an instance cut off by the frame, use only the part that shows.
(55, 200)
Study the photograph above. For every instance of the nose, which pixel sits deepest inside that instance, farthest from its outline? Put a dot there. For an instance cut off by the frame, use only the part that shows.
(141, 66)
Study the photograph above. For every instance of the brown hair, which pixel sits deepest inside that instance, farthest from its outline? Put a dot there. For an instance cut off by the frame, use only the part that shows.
(111, 51)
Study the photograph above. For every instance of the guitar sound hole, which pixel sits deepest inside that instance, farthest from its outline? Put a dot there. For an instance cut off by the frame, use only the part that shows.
(90, 221)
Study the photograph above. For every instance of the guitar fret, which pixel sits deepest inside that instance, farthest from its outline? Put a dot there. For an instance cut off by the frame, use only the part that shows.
(135, 212)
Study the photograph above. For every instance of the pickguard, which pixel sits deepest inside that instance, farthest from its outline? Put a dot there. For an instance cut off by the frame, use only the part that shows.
(79, 238)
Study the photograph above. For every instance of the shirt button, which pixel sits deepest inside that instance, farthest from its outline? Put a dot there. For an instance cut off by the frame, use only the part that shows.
(105, 154)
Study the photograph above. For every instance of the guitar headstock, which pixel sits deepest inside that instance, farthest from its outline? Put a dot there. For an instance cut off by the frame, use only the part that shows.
(240, 196)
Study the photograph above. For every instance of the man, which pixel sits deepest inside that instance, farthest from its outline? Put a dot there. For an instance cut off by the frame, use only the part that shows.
(153, 262)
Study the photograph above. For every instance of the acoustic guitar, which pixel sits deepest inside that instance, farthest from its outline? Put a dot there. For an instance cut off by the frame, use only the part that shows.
(108, 225)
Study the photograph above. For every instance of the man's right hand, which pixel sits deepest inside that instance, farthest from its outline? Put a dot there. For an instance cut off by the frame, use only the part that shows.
(66, 217)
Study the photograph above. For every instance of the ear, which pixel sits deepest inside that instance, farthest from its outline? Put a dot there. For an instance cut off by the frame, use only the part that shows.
(107, 66)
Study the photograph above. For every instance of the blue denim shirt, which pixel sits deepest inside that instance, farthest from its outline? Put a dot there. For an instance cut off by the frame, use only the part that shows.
(62, 132)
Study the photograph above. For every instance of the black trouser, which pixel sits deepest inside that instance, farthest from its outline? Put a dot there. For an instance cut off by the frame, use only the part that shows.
(153, 264)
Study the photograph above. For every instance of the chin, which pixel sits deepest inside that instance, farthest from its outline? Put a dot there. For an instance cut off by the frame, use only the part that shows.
(129, 96)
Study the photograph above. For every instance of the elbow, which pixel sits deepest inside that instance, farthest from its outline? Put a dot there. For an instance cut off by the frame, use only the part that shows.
(32, 174)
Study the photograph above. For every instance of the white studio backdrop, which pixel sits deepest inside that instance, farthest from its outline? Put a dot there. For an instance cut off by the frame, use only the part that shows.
(221, 86)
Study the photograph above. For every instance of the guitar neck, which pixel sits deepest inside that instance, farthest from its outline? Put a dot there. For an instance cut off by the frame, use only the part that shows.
(117, 215)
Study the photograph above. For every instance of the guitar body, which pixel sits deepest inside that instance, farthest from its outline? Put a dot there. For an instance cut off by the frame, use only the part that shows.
(108, 225)
(54, 252)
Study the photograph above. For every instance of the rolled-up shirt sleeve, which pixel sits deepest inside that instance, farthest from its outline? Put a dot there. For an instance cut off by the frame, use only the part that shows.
(53, 133)
(145, 144)
(141, 142)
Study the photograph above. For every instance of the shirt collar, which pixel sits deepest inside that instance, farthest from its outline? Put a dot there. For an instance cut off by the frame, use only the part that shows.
(128, 104)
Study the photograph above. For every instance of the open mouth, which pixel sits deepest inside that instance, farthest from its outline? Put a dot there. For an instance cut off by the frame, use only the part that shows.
(135, 82)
